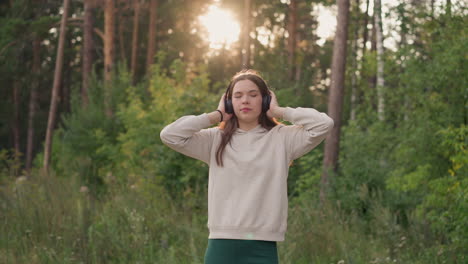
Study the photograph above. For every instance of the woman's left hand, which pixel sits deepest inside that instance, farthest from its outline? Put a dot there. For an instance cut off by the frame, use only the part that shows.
(275, 110)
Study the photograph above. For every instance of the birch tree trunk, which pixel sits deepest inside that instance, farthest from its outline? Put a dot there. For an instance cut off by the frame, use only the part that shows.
(246, 35)
(151, 35)
(335, 98)
(380, 61)
(56, 87)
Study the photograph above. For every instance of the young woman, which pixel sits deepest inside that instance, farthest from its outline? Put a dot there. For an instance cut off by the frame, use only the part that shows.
(248, 157)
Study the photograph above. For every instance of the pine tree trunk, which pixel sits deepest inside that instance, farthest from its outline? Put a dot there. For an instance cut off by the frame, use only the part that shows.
(380, 61)
(136, 16)
(36, 67)
(151, 35)
(88, 47)
(335, 98)
(246, 35)
(292, 30)
(109, 46)
(56, 87)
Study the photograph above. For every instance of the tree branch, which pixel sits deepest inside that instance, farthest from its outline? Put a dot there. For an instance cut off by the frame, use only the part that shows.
(7, 46)
(99, 33)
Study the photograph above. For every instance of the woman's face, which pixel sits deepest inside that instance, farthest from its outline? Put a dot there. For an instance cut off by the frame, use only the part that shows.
(247, 101)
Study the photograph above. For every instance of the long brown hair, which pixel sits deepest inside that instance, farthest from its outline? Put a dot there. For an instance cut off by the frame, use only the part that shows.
(230, 126)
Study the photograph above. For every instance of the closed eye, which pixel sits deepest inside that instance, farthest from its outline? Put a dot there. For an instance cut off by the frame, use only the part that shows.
(251, 93)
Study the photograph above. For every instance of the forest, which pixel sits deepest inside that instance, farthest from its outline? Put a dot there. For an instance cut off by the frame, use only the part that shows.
(88, 85)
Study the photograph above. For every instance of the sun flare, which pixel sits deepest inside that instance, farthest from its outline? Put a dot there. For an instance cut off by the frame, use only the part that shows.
(222, 28)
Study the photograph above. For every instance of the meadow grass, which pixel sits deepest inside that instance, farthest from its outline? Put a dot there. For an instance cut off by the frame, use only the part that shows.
(56, 220)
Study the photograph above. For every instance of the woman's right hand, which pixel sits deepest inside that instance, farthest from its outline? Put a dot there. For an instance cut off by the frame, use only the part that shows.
(222, 108)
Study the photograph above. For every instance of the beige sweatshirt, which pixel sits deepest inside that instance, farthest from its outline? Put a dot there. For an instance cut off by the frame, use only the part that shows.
(247, 198)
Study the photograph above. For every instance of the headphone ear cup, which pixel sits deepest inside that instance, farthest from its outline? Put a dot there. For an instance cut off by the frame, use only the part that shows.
(266, 103)
(228, 108)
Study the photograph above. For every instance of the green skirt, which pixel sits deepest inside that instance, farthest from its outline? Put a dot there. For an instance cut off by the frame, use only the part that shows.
(238, 251)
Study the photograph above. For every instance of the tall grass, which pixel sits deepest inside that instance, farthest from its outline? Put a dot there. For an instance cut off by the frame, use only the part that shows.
(56, 220)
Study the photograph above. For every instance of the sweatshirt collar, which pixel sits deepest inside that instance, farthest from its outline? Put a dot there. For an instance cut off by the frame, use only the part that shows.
(257, 129)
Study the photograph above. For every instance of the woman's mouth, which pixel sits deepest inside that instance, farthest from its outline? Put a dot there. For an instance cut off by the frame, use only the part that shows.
(245, 109)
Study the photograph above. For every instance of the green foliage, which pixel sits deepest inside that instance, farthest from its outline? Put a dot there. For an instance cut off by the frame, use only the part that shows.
(10, 164)
(57, 220)
(415, 160)
(116, 194)
(141, 153)
(304, 177)
(10, 28)
(78, 146)
(126, 148)
(442, 194)
(363, 165)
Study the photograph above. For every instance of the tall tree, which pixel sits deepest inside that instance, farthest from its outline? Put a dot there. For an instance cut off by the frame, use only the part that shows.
(109, 47)
(88, 47)
(151, 51)
(56, 86)
(246, 34)
(136, 16)
(292, 32)
(380, 61)
(33, 101)
(335, 97)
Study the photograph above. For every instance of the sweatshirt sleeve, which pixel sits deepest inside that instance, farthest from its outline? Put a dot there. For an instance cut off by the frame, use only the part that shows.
(310, 127)
(188, 136)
